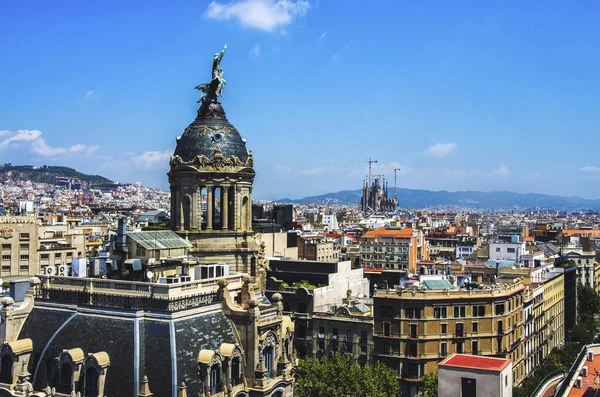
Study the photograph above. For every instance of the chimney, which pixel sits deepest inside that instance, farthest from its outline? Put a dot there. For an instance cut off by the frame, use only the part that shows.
(590, 356)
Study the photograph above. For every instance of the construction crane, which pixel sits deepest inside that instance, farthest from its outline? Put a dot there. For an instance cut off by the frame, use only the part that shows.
(370, 163)
(395, 184)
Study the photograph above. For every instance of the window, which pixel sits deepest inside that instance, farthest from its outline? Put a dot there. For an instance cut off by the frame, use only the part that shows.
(460, 330)
(215, 378)
(321, 333)
(364, 336)
(25, 247)
(475, 327)
(444, 328)
(91, 382)
(478, 310)
(24, 268)
(65, 379)
(411, 349)
(387, 311)
(268, 360)
(44, 256)
(440, 312)
(413, 331)
(322, 344)
(475, 347)
(6, 367)
(459, 311)
(459, 347)
(385, 347)
(24, 236)
(5, 257)
(413, 313)
(499, 309)
(349, 335)
(236, 371)
(24, 257)
(386, 329)
(6, 247)
(334, 333)
(497, 249)
(443, 349)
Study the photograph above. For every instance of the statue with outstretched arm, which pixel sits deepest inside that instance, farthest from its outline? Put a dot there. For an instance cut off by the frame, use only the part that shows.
(211, 91)
(217, 71)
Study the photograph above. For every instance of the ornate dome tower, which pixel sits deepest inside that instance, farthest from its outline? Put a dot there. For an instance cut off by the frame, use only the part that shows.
(211, 180)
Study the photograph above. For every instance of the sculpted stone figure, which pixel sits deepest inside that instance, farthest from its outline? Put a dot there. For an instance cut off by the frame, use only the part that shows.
(213, 90)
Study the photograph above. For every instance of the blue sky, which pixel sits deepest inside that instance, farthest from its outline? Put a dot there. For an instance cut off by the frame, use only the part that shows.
(460, 95)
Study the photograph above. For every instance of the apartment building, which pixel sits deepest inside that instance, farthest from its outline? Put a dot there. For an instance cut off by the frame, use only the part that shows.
(389, 249)
(27, 248)
(415, 328)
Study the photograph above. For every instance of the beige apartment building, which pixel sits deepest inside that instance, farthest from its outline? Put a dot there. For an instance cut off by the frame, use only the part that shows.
(27, 247)
(416, 328)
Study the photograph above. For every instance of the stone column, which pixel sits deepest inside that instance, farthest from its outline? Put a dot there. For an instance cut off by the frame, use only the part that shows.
(249, 211)
(209, 205)
(238, 212)
(194, 211)
(225, 207)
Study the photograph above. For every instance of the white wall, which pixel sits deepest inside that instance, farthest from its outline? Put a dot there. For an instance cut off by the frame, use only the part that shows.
(488, 383)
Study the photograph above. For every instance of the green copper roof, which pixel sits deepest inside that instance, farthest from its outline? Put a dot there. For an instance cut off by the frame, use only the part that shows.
(160, 239)
(437, 284)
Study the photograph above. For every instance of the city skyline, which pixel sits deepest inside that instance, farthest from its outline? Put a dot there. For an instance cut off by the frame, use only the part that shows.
(459, 98)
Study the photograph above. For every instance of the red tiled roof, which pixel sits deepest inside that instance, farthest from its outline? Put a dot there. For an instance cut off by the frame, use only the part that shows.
(476, 362)
(384, 232)
(571, 232)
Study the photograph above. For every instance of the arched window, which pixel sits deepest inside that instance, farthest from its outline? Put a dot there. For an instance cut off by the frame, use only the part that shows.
(277, 394)
(236, 371)
(6, 369)
(91, 382)
(268, 361)
(65, 379)
(215, 379)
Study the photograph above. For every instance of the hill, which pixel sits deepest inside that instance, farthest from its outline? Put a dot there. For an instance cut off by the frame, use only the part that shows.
(47, 174)
(412, 198)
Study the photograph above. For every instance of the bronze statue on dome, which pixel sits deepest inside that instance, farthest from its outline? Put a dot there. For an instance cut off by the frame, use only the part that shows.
(213, 90)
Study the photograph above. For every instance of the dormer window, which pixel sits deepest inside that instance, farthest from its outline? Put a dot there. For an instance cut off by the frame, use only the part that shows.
(215, 378)
(6, 369)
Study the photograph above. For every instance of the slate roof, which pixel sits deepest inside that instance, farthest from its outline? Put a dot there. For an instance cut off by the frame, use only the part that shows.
(159, 239)
(53, 330)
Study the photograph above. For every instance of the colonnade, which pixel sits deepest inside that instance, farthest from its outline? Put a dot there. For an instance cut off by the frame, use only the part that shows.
(212, 207)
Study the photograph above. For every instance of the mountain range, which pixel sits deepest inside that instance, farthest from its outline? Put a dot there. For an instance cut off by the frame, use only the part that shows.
(413, 198)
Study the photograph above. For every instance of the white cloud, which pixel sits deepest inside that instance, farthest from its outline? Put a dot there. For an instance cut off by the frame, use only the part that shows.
(39, 145)
(440, 149)
(323, 35)
(590, 168)
(255, 51)
(259, 14)
(89, 94)
(152, 158)
(502, 171)
(19, 136)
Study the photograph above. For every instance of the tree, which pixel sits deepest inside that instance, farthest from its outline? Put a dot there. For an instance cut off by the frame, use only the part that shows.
(342, 376)
(589, 302)
(430, 384)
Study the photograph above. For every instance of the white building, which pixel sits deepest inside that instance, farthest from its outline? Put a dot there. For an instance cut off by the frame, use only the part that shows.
(464, 375)
(512, 251)
(330, 221)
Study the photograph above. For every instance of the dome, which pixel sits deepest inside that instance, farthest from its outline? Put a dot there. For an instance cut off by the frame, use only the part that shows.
(209, 131)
